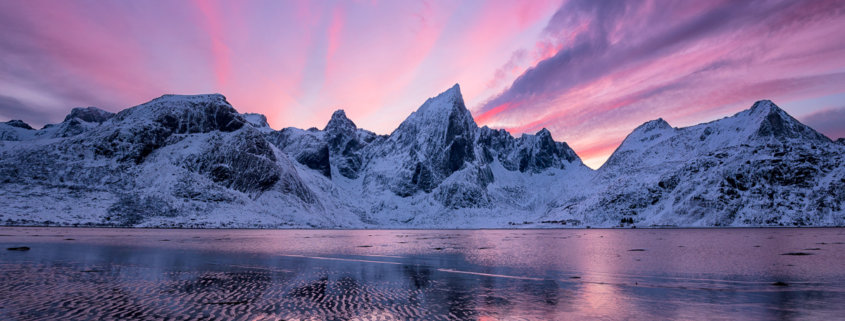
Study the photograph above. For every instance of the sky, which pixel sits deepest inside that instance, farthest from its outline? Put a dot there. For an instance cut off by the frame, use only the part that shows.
(589, 71)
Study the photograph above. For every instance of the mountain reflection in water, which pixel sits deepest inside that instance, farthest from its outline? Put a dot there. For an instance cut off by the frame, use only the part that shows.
(78, 274)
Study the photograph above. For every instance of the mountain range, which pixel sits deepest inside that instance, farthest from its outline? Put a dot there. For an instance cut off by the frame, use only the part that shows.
(194, 161)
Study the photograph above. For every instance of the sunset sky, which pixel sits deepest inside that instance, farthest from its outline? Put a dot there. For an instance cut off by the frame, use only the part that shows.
(589, 71)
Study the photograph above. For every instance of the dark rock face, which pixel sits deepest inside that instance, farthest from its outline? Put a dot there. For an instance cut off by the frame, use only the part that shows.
(422, 178)
(797, 183)
(778, 124)
(494, 140)
(345, 143)
(71, 127)
(145, 128)
(435, 141)
(317, 160)
(201, 117)
(841, 141)
(529, 153)
(350, 161)
(19, 124)
(306, 147)
(339, 123)
(81, 120)
(89, 114)
(15, 130)
(339, 145)
(455, 196)
(466, 189)
(245, 162)
(652, 125)
(460, 135)
(541, 152)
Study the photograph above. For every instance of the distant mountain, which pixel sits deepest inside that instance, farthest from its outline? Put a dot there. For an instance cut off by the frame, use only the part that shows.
(194, 161)
(760, 167)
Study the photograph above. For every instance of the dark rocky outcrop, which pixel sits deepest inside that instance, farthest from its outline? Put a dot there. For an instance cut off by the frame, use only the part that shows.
(437, 139)
(306, 147)
(345, 141)
(19, 124)
(89, 114)
(244, 162)
(140, 130)
(776, 123)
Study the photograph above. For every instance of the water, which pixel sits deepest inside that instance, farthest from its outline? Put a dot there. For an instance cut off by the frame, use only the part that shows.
(77, 274)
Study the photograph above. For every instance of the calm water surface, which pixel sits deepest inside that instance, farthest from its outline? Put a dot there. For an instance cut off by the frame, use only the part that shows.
(78, 274)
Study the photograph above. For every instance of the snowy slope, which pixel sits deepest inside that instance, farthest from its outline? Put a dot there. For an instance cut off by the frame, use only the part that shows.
(758, 167)
(194, 161)
(175, 161)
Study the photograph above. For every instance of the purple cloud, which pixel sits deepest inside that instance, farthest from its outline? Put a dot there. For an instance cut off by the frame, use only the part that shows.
(830, 122)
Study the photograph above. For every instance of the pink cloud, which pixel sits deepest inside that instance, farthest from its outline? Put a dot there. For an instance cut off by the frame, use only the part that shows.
(213, 20)
(334, 32)
(486, 116)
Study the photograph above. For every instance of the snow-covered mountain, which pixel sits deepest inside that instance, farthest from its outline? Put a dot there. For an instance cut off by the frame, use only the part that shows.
(194, 161)
(760, 167)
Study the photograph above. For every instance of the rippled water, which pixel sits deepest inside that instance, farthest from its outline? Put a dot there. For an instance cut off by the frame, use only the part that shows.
(76, 274)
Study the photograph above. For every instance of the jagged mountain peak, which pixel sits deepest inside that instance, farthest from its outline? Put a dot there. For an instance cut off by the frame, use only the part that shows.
(437, 122)
(652, 125)
(446, 102)
(644, 136)
(543, 133)
(763, 109)
(89, 114)
(764, 106)
(442, 106)
(339, 122)
(766, 120)
(434, 142)
(453, 92)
